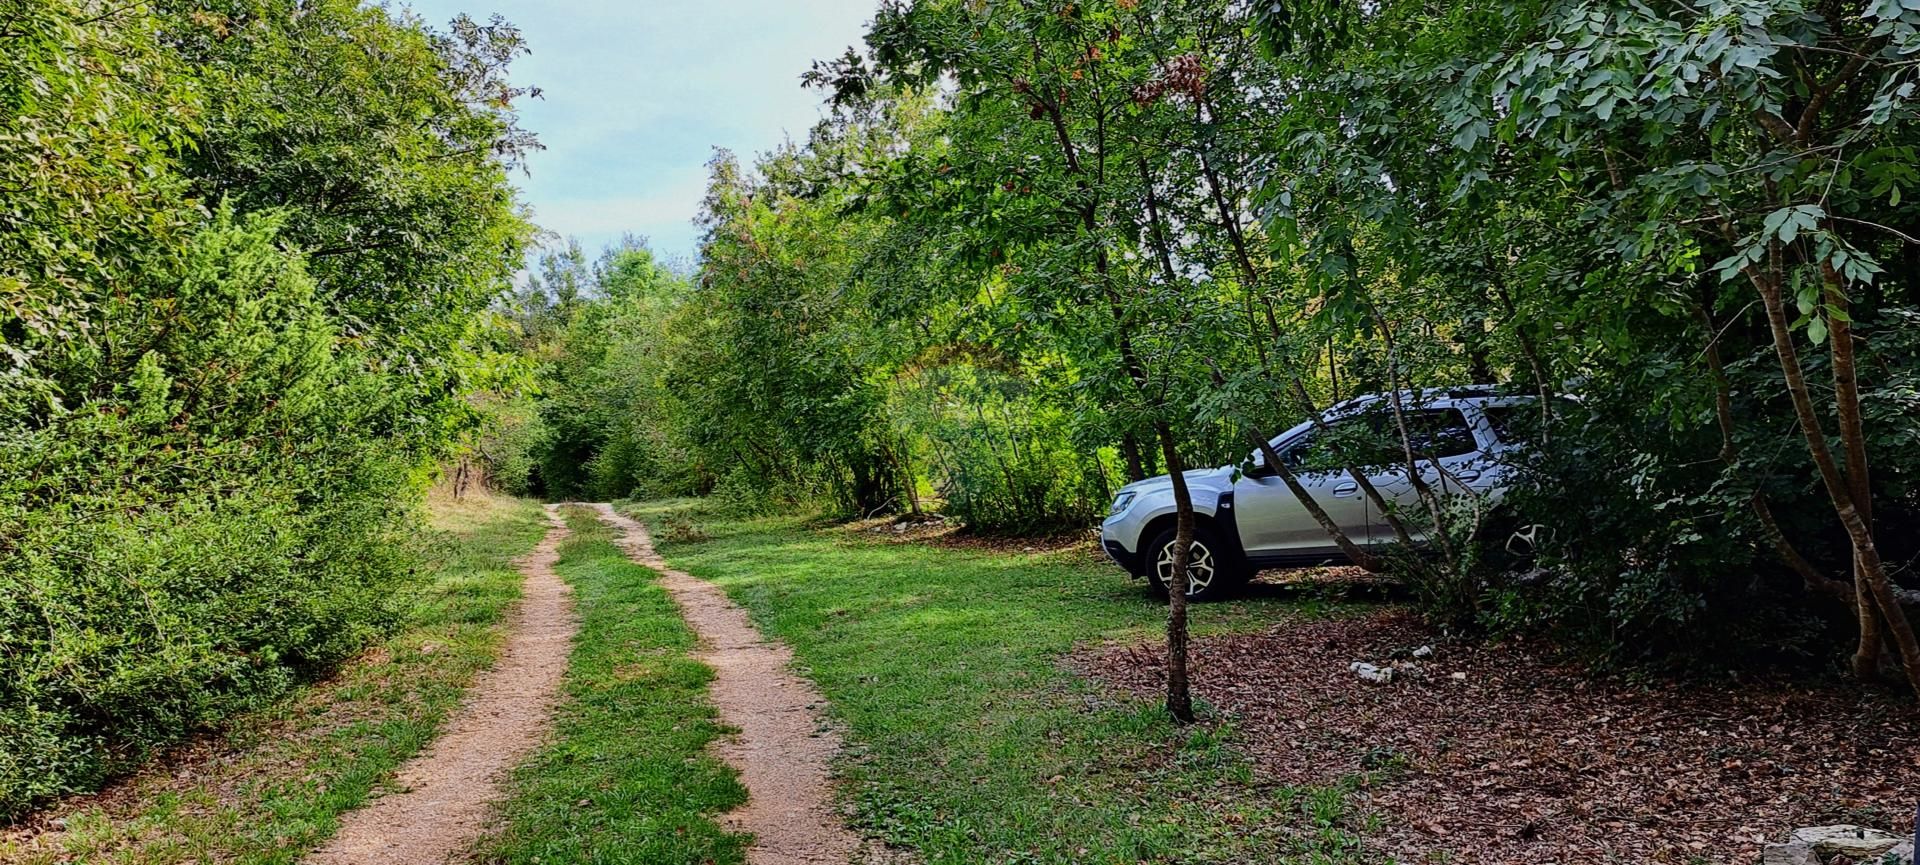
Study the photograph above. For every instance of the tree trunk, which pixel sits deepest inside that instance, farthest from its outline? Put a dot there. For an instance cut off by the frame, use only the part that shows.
(1878, 589)
(1360, 478)
(1846, 398)
(1179, 693)
(1130, 449)
(1723, 415)
(1427, 497)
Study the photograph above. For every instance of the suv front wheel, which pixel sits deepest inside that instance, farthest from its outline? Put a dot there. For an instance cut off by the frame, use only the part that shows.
(1213, 572)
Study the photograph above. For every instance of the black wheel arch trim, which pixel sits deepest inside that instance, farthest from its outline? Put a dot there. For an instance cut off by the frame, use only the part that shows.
(1221, 522)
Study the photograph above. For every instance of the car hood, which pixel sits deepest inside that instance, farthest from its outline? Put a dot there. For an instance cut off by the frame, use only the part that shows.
(1196, 478)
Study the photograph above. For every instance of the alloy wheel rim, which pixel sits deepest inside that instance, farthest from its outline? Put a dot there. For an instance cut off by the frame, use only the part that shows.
(1200, 569)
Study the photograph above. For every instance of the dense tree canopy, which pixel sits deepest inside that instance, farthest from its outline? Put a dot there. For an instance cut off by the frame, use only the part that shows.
(1043, 247)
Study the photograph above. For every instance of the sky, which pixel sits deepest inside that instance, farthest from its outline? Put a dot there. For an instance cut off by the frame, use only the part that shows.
(636, 95)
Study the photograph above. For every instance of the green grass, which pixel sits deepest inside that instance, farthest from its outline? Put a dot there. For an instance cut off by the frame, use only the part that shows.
(628, 777)
(968, 741)
(274, 785)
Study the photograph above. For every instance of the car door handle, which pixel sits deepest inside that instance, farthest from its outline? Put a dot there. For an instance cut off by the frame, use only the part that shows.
(1346, 489)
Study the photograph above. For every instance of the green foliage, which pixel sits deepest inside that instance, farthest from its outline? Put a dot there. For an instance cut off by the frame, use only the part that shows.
(209, 526)
(211, 438)
(1005, 458)
(290, 771)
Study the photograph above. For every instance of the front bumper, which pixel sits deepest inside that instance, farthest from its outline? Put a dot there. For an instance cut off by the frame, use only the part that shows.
(1115, 531)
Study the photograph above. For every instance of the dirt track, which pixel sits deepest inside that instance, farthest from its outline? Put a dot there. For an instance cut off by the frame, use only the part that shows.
(446, 794)
(782, 751)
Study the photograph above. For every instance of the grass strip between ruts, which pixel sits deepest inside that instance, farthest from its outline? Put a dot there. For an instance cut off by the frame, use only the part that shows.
(629, 776)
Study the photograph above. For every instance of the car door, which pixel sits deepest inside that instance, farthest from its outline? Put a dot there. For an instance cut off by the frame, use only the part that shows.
(1273, 522)
(1450, 463)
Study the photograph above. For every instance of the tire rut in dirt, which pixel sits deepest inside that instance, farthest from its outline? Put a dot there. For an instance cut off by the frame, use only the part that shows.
(446, 794)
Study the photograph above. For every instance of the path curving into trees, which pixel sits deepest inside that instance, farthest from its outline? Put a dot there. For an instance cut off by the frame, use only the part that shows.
(782, 750)
(445, 795)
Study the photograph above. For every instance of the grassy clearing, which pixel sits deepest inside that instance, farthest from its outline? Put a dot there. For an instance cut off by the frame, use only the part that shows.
(628, 777)
(970, 743)
(273, 786)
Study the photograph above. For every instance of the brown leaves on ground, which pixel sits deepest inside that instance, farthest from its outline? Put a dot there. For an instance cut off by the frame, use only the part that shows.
(1530, 761)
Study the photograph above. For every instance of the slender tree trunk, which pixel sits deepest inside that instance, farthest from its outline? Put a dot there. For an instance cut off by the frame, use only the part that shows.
(1250, 274)
(1878, 589)
(1846, 398)
(1420, 486)
(1130, 449)
(1723, 415)
(1357, 553)
(1532, 354)
(1179, 692)
(1360, 478)
(1179, 697)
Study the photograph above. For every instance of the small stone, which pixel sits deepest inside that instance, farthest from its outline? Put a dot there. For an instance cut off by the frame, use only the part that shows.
(1423, 652)
(1371, 673)
(1859, 842)
(1795, 853)
(1460, 676)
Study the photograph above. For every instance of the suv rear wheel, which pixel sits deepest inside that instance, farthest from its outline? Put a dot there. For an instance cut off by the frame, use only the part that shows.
(1213, 572)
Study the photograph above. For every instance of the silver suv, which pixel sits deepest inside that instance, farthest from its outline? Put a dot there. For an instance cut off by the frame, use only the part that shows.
(1246, 519)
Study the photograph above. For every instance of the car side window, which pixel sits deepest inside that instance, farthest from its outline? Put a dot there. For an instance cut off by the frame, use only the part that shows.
(1440, 433)
(1358, 441)
(1373, 441)
(1501, 418)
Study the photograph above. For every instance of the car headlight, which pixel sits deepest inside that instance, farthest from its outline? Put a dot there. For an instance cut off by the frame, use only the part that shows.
(1121, 502)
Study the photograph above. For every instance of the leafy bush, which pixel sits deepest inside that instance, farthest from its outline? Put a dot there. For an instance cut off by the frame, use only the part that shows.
(211, 524)
(1650, 549)
(1003, 459)
(245, 249)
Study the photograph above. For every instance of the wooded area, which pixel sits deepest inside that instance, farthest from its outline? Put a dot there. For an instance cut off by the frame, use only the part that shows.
(1042, 248)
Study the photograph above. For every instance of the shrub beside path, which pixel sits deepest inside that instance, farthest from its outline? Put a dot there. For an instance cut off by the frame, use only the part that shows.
(783, 749)
(445, 795)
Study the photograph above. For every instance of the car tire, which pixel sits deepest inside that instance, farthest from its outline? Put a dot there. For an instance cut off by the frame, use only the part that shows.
(1214, 571)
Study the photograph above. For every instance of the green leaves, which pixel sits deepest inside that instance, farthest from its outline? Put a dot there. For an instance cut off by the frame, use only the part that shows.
(1786, 223)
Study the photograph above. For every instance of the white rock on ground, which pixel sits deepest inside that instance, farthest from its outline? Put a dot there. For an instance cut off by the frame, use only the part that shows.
(1859, 842)
(1371, 673)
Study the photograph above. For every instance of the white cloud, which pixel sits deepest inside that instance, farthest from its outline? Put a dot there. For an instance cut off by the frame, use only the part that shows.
(639, 93)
